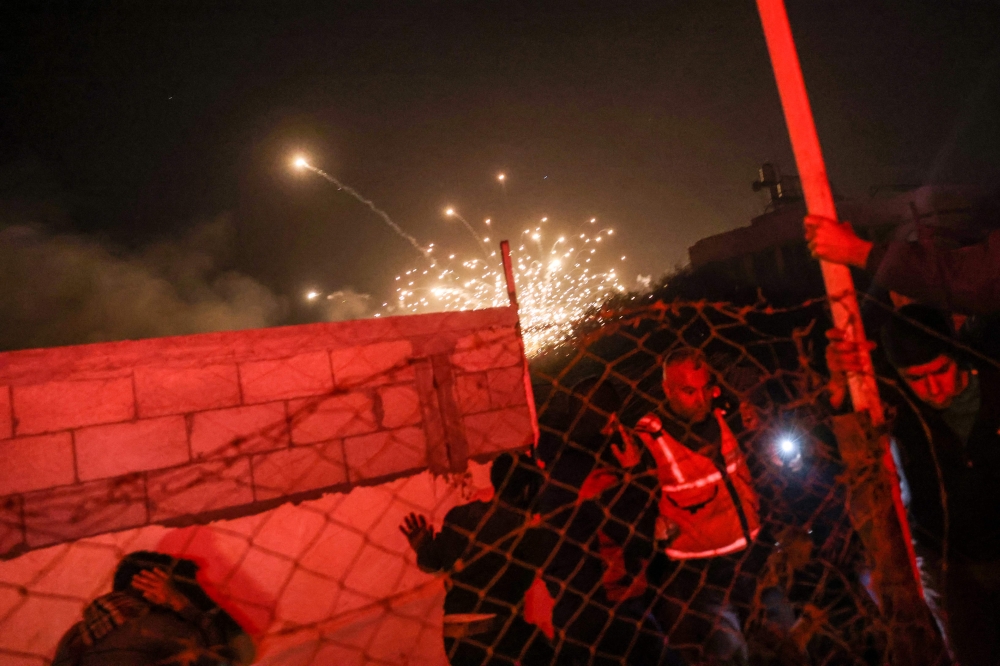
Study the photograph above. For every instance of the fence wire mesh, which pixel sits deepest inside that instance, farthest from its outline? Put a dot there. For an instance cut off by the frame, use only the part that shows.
(563, 563)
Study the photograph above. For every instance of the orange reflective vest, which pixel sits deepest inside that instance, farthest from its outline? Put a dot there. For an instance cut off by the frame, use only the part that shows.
(709, 516)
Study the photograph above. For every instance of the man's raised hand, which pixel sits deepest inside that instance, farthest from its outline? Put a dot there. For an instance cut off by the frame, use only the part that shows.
(416, 530)
(156, 587)
(843, 357)
(836, 242)
(596, 483)
(629, 456)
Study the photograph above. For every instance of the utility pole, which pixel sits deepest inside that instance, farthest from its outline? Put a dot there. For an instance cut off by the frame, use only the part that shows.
(881, 525)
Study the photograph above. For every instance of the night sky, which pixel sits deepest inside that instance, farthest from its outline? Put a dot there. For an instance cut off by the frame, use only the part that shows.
(123, 126)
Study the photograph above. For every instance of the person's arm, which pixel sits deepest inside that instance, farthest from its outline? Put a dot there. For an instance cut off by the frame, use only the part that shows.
(434, 552)
(964, 280)
(843, 357)
(836, 242)
(157, 587)
(70, 646)
(228, 642)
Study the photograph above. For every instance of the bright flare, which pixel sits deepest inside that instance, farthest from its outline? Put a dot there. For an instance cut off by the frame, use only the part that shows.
(554, 292)
(300, 163)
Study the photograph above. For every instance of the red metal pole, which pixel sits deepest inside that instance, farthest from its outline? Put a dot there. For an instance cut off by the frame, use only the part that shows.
(508, 273)
(819, 201)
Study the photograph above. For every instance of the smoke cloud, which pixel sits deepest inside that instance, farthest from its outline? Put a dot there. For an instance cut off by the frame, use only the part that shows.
(59, 289)
(347, 304)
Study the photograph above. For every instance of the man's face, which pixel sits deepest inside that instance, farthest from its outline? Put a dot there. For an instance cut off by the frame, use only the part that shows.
(689, 390)
(936, 382)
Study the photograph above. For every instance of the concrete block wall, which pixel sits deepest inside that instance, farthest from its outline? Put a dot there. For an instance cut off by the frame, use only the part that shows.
(105, 437)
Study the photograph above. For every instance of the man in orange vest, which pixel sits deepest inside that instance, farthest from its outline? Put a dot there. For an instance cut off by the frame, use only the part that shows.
(708, 507)
(707, 504)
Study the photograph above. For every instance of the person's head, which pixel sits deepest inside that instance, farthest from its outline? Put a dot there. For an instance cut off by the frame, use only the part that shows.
(516, 479)
(747, 380)
(917, 341)
(182, 572)
(687, 384)
(146, 560)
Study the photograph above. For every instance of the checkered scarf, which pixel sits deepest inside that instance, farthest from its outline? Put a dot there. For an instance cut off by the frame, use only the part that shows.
(104, 614)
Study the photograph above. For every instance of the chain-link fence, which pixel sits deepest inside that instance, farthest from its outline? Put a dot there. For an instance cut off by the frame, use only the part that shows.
(568, 561)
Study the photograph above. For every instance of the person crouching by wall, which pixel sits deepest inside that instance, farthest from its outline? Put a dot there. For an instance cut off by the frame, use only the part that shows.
(157, 613)
(490, 552)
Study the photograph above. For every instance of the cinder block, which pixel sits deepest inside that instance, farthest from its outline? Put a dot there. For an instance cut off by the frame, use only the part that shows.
(295, 377)
(6, 415)
(11, 525)
(472, 393)
(123, 448)
(72, 404)
(84, 509)
(400, 405)
(498, 430)
(322, 419)
(298, 469)
(385, 453)
(484, 350)
(507, 387)
(228, 432)
(372, 365)
(199, 488)
(161, 391)
(32, 463)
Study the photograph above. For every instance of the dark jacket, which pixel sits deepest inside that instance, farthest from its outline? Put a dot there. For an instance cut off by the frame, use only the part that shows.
(956, 279)
(970, 473)
(146, 633)
(597, 575)
(490, 554)
(619, 522)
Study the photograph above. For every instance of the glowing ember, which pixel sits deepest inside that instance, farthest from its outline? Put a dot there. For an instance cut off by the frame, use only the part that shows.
(556, 286)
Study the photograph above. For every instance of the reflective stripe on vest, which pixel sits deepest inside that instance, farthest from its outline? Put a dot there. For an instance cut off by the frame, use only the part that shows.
(714, 477)
(739, 544)
(727, 528)
(675, 469)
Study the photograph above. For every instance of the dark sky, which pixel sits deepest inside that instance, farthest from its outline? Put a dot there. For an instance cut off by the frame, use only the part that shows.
(137, 121)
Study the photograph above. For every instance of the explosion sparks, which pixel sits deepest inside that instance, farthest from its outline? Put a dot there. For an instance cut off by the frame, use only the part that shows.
(556, 287)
